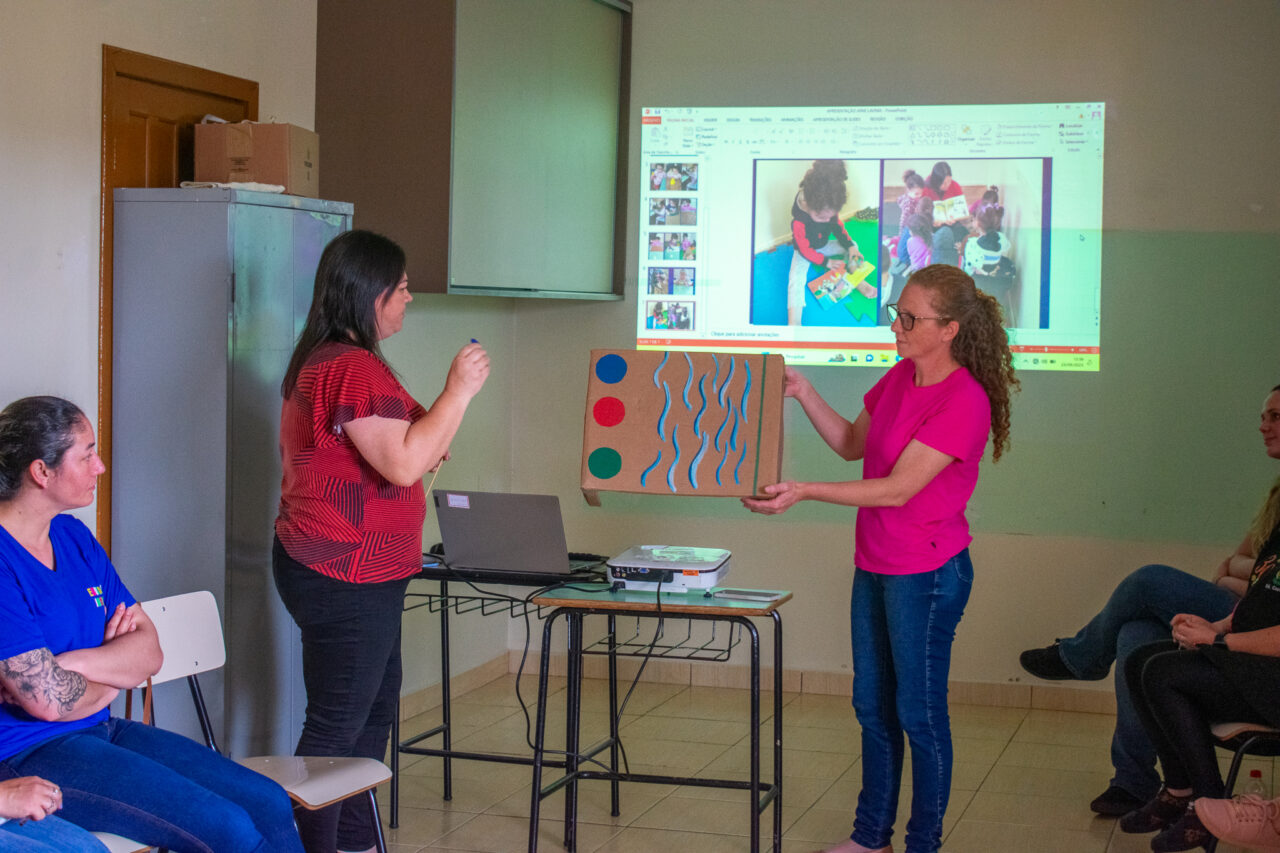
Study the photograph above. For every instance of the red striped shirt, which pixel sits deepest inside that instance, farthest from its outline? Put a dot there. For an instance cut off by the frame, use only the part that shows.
(338, 515)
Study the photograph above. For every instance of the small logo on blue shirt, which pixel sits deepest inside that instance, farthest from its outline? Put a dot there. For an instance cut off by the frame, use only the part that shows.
(95, 592)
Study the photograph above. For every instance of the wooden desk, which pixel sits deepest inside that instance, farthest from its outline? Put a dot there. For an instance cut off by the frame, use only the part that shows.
(598, 599)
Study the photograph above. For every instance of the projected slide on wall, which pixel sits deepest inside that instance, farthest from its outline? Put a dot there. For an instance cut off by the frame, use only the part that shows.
(784, 229)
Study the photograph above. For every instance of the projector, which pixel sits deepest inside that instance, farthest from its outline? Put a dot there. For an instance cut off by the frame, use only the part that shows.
(676, 568)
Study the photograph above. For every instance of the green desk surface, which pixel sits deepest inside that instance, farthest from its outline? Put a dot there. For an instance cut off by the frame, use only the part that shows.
(598, 596)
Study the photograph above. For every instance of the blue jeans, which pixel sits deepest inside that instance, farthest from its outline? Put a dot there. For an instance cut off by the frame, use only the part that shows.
(162, 789)
(351, 669)
(1137, 613)
(902, 628)
(51, 835)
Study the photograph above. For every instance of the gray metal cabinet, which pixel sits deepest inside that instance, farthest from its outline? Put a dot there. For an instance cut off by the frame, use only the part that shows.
(211, 288)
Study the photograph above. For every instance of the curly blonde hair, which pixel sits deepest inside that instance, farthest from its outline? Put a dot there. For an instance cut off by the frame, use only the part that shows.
(1268, 517)
(981, 346)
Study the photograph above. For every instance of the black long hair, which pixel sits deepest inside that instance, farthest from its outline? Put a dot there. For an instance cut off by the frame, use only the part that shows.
(356, 269)
(941, 171)
(35, 428)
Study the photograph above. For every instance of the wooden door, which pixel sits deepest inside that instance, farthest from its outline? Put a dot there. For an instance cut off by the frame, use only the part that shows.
(149, 107)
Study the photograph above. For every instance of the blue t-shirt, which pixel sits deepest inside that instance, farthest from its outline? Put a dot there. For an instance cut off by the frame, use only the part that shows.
(59, 610)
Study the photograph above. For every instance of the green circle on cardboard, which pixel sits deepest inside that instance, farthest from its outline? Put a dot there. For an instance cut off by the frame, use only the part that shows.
(604, 462)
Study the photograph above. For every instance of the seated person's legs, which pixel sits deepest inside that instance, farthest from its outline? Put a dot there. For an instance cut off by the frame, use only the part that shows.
(1153, 592)
(1132, 754)
(1177, 694)
(163, 789)
(51, 835)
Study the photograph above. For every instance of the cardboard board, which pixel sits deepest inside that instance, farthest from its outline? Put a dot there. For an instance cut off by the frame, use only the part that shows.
(266, 153)
(682, 423)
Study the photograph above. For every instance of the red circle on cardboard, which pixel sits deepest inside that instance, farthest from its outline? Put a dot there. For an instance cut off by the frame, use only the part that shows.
(609, 411)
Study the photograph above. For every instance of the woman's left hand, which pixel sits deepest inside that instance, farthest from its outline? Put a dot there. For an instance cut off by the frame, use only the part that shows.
(782, 496)
(1190, 630)
(121, 622)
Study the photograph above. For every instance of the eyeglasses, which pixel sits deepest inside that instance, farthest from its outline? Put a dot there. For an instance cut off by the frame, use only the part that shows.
(908, 319)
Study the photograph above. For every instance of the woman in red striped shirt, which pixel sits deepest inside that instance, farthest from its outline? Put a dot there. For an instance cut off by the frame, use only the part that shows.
(355, 446)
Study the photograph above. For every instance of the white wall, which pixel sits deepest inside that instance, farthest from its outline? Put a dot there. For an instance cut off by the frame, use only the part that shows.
(50, 160)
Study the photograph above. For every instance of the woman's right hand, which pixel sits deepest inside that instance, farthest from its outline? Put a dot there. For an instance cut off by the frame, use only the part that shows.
(469, 370)
(29, 798)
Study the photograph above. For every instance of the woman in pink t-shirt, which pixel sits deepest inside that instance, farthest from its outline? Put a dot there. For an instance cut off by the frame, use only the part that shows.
(921, 434)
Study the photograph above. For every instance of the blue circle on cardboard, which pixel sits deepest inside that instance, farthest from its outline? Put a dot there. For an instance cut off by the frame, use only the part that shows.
(611, 368)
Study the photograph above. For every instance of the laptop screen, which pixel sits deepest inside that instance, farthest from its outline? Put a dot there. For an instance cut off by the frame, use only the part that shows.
(502, 532)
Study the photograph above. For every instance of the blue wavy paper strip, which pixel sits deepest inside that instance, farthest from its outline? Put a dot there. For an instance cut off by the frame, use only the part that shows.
(733, 436)
(715, 358)
(671, 472)
(662, 418)
(658, 369)
(702, 392)
(697, 460)
(645, 475)
(688, 383)
(721, 430)
(743, 456)
(724, 389)
(724, 458)
(746, 390)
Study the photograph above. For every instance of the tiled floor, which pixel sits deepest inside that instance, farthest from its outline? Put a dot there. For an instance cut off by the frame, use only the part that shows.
(1023, 778)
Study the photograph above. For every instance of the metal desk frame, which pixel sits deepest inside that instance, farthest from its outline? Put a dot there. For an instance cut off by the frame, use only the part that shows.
(574, 608)
(443, 602)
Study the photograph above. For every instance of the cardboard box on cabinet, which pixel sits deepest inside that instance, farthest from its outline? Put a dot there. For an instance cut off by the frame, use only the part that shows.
(259, 152)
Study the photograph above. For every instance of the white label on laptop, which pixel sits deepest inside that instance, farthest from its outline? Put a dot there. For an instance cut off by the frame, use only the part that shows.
(458, 501)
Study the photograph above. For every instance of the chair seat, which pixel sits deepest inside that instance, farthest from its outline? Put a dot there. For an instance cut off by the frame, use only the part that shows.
(119, 844)
(1227, 731)
(315, 781)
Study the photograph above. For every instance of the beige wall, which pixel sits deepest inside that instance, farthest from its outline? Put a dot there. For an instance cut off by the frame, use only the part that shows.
(1155, 459)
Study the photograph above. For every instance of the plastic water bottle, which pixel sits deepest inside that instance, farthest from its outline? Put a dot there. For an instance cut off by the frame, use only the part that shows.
(1254, 785)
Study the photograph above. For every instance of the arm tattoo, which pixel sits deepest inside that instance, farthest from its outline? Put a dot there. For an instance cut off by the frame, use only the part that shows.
(35, 675)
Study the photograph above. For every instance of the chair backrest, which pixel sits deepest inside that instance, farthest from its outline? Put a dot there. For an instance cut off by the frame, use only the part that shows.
(190, 634)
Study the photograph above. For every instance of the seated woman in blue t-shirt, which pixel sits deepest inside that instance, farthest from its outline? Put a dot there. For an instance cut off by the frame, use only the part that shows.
(72, 637)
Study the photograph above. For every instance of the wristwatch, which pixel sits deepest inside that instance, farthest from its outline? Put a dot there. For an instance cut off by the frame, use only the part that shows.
(1220, 642)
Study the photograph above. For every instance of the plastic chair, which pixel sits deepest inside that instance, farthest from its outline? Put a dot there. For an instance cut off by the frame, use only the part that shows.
(1242, 739)
(190, 633)
(117, 844)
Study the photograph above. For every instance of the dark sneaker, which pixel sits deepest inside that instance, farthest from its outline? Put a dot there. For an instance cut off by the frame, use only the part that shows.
(1187, 834)
(1163, 810)
(1116, 802)
(1046, 663)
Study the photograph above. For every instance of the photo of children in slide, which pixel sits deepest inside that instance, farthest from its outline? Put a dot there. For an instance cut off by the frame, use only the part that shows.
(671, 281)
(813, 223)
(677, 315)
(985, 216)
(673, 177)
(673, 246)
(673, 210)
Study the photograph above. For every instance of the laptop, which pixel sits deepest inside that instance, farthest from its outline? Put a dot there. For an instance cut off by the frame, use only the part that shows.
(520, 537)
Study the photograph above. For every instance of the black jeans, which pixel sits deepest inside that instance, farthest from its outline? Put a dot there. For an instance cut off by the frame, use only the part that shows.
(1178, 694)
(351, 668)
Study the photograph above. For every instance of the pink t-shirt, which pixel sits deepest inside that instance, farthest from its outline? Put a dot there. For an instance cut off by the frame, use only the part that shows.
(954, 417)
